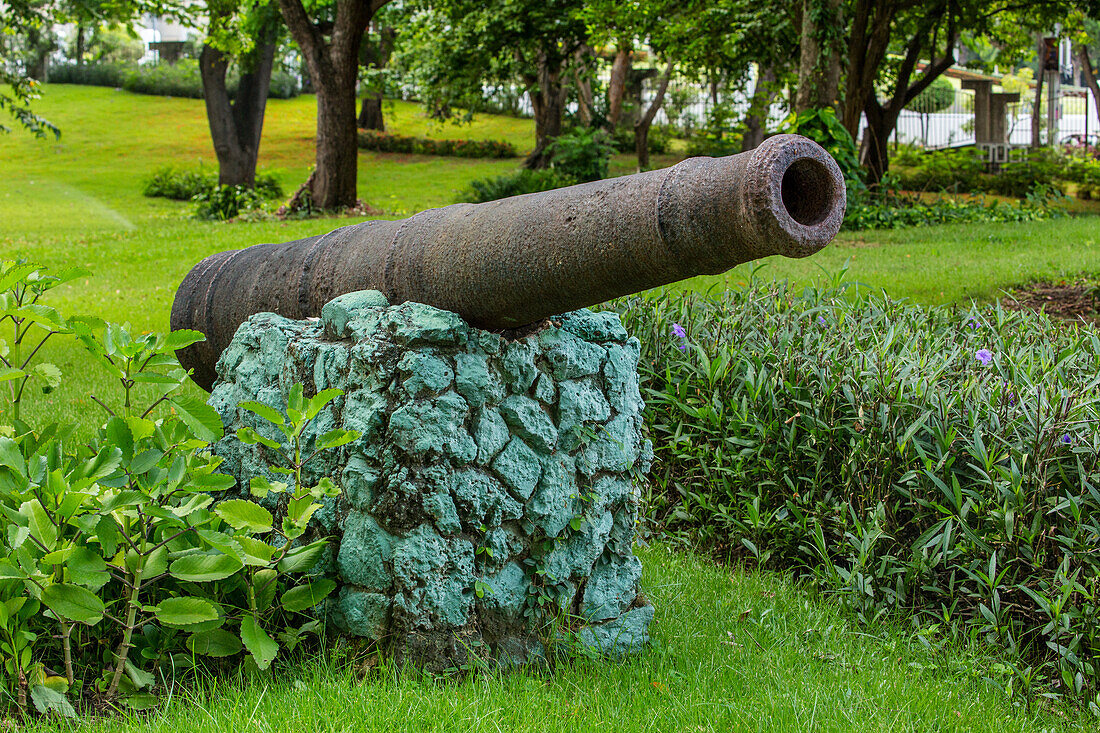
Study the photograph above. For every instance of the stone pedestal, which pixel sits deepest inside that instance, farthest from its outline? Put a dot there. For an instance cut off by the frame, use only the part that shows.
(488, 508)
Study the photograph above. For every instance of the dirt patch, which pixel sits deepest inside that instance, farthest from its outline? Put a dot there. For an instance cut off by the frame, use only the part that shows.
(1068, 301)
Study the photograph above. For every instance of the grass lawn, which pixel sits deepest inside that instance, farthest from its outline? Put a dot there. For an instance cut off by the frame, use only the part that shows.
(731, 652)
(79, 202)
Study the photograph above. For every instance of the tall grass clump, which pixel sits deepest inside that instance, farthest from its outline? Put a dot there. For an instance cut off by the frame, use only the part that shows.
(938, 463)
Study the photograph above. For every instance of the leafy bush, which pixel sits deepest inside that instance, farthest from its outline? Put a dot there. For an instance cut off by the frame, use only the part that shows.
(179, 185)
(658, 139)
(582, 153)
(169, 80)
(963, 170)
(935, 462)
(223, 203)
(117, 570)
(181, 79)
(889, 210)
(214, 201)
(514, 184)
(389, 143)
(939, 95)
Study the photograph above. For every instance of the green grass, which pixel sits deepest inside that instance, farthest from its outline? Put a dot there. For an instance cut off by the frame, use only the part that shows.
(78, 202)
(731, 652)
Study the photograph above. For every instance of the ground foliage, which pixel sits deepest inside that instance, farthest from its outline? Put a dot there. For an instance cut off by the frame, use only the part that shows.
(385, 142)
(117, 569)
(939, 463)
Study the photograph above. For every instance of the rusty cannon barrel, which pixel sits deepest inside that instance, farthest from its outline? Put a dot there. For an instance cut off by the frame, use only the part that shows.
(508, 263)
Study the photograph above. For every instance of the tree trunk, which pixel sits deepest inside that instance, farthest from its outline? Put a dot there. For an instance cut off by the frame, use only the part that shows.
(756, 120)
(370, 113)
(236, 126)
(1090, 80)
(875, 152)
(584, 84)
(548, 104)
(334, 186)
(333, 66)
(80, 45)
(819, 59)
(376, 56)
(616, 87)
(1037, 104)
(869, 40)
(645, 121)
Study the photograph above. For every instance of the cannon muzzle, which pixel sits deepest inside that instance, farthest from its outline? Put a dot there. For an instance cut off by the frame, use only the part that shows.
(508, 263)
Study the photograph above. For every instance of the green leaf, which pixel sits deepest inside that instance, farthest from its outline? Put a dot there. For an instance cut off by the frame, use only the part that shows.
(336, 438)
(261, 646)
(106, 531)
(141, 701)
(181, 339)
(42, 529)
(256, 552)
(87, 568)
(248, 436)
(48, 700)
(50, 374)
(213, 482)
(74, 603)
(245, 515)
(183, 612)
(267, 412)
(9, 571)
(307, 595)
(215, 643)
(200, 417)
(319, 400)
(301, 559)
(203, 568)
(8, 373)
(265, 584)
(11, 457)
(118, 434)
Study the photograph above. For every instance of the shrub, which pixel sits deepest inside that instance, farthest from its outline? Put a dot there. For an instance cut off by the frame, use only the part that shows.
(215, 202)
(169, 80)
(963, 170)
(117, 570)
(222, 203)
(937, 462)
(888, 210)
(514, 184)
(938, 96)
(582, 153)
(179, 185)
(385, 142)
(657, 141)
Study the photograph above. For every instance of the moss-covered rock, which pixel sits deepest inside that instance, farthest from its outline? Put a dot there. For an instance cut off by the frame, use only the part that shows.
(490, 473)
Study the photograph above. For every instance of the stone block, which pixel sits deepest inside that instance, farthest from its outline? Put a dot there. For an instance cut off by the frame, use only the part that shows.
(475, 450)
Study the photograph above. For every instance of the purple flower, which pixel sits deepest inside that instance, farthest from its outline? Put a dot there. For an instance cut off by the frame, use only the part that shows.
(678, 330)
(1066, 440)
(973, 322)
(821, 320)
(984, 356)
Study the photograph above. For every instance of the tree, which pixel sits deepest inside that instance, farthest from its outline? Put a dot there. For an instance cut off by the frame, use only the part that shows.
(251, 34)
(376, 52)
(897, 48)
(462, 46)
(330, 42)
(28, 20)
(820, 43)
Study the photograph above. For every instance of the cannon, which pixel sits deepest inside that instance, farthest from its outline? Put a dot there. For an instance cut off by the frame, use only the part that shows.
(508, 263)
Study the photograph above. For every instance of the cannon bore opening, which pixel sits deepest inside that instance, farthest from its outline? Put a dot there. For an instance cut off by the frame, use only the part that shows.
(807, 191)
